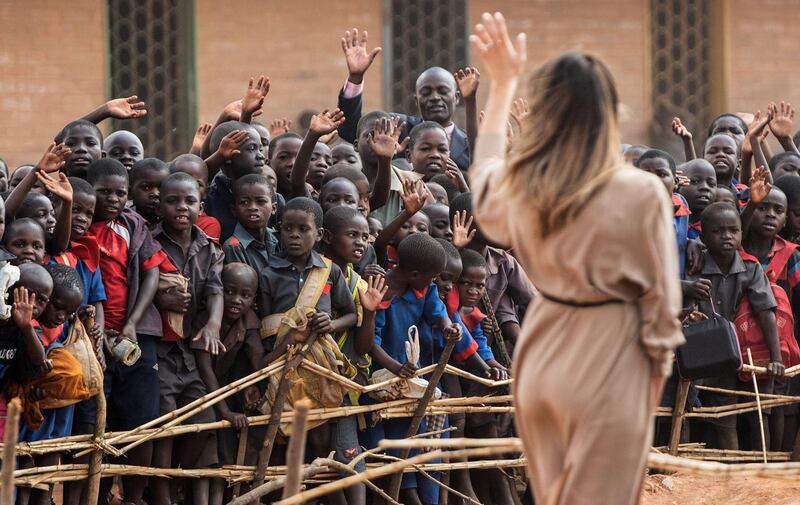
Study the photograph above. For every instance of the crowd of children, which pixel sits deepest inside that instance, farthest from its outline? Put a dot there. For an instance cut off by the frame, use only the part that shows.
(188, 274)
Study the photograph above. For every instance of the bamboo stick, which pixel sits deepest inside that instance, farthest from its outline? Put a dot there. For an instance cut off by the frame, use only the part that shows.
(446, 443)
(240, 453)
(95, 473)
(505, 357)
(297, 449)
(394, 483)
(713, 469)
(342, 468)
(9, 450)
(677, 416)
(758, 404)
(255, 494)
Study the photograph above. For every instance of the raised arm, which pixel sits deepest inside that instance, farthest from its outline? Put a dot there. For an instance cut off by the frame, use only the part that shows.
(467, 80)
(254, 98)
(383, 142)
(358, 59)
(52, 160)
(118, 108)
(321, 124)
(754, 135)
(63, 190)
(686, 137)
(781, 125)
(228, 148)
(414, 196)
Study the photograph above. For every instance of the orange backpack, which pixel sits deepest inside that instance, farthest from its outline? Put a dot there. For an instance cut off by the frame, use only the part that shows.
(748, 330)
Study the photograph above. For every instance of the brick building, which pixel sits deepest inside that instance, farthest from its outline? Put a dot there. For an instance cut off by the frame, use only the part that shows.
(188, 58)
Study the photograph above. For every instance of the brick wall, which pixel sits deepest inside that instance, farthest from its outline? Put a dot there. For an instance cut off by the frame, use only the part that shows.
(52, 70)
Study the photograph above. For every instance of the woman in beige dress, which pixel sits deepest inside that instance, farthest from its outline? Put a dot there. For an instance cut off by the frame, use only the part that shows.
(596, 238)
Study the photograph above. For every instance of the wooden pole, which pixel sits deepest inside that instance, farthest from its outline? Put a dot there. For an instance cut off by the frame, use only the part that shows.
(394, 483)
(677, 415)
(257, 492)
(296, 451)
(758, 404)
(505, 358)
(96, 461)
(9, 451)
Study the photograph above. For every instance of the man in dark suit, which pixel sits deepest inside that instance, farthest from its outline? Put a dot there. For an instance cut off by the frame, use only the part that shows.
(436, 96)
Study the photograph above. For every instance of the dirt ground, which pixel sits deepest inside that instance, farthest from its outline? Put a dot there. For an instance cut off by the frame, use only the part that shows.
(690, 489)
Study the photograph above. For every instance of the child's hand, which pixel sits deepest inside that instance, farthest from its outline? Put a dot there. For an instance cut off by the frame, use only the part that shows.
(759, 185)
(503, 59)
(455, 175)
(254, 96)
(199, 137)
(452, 333)
(60, 188)
(326, 121)
(462, 235)
(355, 53)
(173, 300)
(53, 158)
(414, 196)
(209, 336)
(680, 130)
(327, 139)
(775, 369)
(681, 180)
(128, 332)
(238, 420)
(373, 295)
(694, 257)
(467, 80)
(384, 137)
(782, 118)
(699, 289)
(252, 395)
(497, 371)
(126, 108)
(374, 270)
(321, 323)
(231, 143)
(22, 310)
(406, 370)
(36, 393)
(279, 127)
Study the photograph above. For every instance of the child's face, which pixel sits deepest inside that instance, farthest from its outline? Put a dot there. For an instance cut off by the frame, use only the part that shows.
(660, 168)
(42, 286)
(345, 152)
(338, 193)
(82, 214)
(430, 153)
(728, 125)
(448, 277)
(350, 241)
(471, 285)
(375, 229)
(363, 196)
(723, 234)
(63, 303)
(439, 216)
(180, 206)
(124, 147)
(26, 242)
(438, 192)
(145, 193)
(239, 292)
(721, 152)
(86, 148)
(269, 174)
(111, 193)
(320, 163)
(263, 137)
(250, 159)
(702, 181)
(20, 174)
(769, 215)
(41, 210)
(436, 96)
(299, 233)
(283, 156)
(724, 195)
(789, 166)
(200, 173)
(418, 223)
(253, 207)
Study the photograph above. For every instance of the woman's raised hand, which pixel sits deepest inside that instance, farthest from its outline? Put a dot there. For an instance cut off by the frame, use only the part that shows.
(504, 60)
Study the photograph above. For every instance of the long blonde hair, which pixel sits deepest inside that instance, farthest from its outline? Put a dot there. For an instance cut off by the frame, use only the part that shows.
(569, 145)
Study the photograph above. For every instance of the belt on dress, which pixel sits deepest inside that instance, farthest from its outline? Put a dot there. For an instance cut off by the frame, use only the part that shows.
(573, 303)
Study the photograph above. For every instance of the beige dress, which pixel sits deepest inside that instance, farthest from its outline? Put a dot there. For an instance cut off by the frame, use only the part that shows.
(583, 374)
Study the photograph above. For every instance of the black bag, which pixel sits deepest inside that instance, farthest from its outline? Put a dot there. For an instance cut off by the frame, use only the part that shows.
(711, 349)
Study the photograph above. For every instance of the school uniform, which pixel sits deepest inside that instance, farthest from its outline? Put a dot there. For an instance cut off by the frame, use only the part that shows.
(242, 247)
(351, 103)
(126, 249)
(507, 286)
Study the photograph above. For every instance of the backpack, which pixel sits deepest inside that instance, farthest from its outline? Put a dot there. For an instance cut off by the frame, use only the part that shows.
(749, 332)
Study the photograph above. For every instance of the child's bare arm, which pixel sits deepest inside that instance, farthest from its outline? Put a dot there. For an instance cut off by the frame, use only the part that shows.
(686, 137)
(754, 136)
(147, 291)
(228, 148)
(254, 98)
(383, 142)
(231, 112)
(321, 124)
(477, 364)
(370, 299)
(467, 80)
(760, 186)
(414, 197)
(118, 108)
(22, 313)
(209, 333)
(383, 360)
(52, 160)
(206, 371)
(769, 328)
(781, 125)
(63, 190)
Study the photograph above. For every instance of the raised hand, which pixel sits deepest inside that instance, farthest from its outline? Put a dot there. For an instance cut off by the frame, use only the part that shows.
(354, 46)
(326, 121)
(462, 235)
(126, 108)
(60, 188)
(455, 175)
(254, 96)
(414, 196)
(22, 310)
(467, 80)
(782, 118)
(53, 158)
(199, 137)
(372, 296)
(231, 143)
(279, 127)
(759, 185)
(681, 180)
(503, 59)
(384, 137)
(679, 129)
